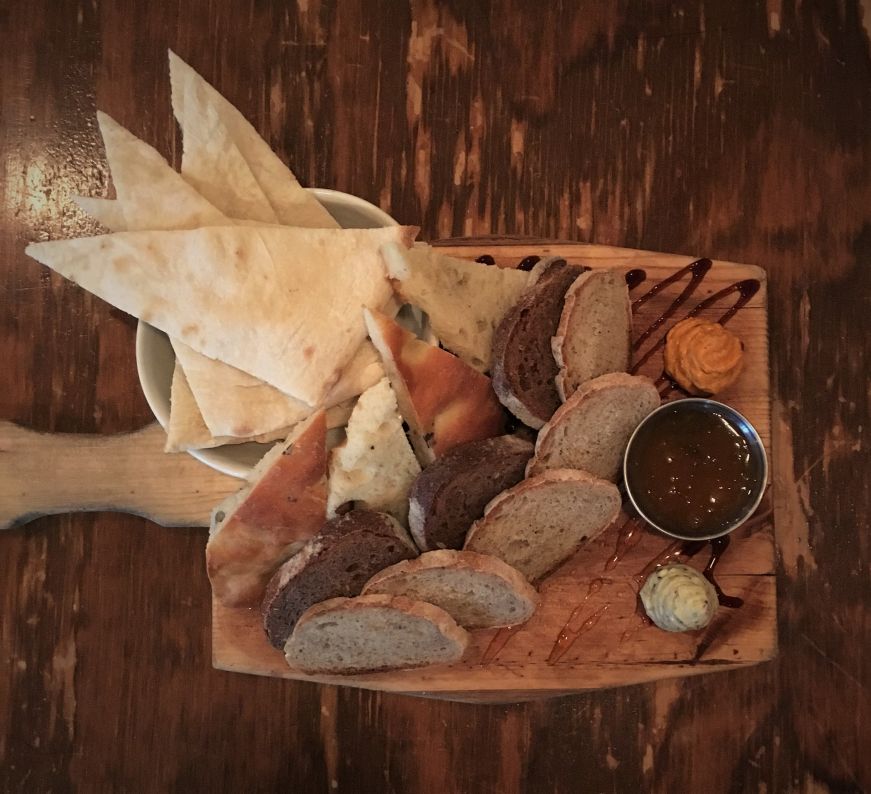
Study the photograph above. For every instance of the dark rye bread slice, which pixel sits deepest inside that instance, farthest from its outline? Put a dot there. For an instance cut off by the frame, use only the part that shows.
(338, 561)
(523, 366)
(451, 493)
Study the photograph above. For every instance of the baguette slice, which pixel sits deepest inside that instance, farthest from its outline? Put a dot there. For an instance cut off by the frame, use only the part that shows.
(374, 633)
(594, 334)
(463, 300)
(255, 530)
(543, 521)
(444, 401)
(524, 368)
(451, 493)
(591, 429)
(336, 562)
(476, 590)
(375, 466)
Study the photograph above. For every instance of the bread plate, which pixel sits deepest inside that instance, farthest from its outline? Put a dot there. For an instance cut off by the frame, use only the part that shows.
(155, 358)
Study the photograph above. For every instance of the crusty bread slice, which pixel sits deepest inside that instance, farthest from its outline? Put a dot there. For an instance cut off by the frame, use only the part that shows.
(591, 429)
(464, 300)
(374, 633)
(338, 561)
(451, 493)
(542, 521)
(255, 530)
(477, 590)
(524, 368)
(444, 400)
(375, 465)
(594, 334)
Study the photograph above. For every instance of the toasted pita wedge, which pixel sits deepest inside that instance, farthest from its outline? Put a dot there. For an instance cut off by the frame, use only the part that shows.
(445, 401)
(307, 287)
(254, 531)
(292, 204)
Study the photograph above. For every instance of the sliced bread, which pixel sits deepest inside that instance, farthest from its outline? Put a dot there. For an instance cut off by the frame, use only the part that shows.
(375, 465)
(594, 334)
(374, 633)
(544, 520)
(450, 494)
(444, 400)
(591, 429)
(464, 300)
(523, 367)
(477, 590)
(336, 562)
(255, 530)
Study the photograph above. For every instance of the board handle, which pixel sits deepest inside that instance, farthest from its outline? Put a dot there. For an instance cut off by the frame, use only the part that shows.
(50, 473)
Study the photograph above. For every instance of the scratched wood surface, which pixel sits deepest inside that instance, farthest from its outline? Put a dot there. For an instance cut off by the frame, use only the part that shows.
(742, 130)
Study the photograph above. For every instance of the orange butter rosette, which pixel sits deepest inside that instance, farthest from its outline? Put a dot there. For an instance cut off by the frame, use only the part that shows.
(703, 357)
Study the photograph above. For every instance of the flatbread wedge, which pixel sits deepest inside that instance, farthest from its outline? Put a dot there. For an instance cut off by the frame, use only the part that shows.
(444, 400)
(191, 95)
(217, 402)
(153, 195)
(254, 531)
(306, 287)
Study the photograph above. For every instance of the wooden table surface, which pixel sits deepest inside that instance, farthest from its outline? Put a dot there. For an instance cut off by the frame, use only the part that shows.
(735, 130)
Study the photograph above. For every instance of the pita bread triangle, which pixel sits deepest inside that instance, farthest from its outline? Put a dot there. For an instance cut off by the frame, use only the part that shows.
(305, 288)
(213, 164)
(186, 429)
(107, 212)
(154, 195)
(444, 400)
(213, 402)
(292, 204)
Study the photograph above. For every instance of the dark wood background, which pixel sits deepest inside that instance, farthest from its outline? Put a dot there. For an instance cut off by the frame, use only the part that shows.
(738, 130)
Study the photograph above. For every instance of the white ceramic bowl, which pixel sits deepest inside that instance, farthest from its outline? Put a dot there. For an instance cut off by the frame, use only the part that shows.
(155, 359)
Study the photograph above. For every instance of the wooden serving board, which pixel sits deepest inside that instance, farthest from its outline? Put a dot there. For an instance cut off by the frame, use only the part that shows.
(613, 647)
(55, 473)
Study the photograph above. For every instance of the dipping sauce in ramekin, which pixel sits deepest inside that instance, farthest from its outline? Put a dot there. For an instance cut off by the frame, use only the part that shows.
(695, 469)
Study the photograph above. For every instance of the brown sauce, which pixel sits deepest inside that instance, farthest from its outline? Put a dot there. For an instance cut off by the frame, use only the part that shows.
(498, 642)
(691, 471)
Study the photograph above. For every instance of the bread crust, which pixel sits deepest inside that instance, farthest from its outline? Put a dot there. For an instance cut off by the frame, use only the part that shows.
(363, 528)
(526, 327)
(545, 442)
(573, 297)
(432, 483)
(445, 559)
(246, 547)
(445, 624)
(444, 400)
(497, 508)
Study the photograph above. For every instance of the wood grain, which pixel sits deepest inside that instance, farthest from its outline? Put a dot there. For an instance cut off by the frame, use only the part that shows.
(49, 473)
(737, 130)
